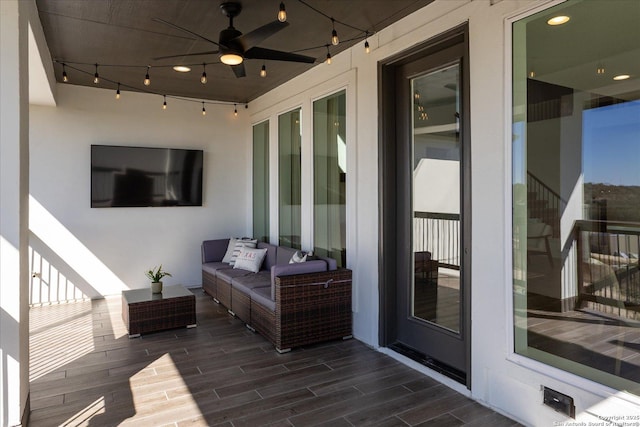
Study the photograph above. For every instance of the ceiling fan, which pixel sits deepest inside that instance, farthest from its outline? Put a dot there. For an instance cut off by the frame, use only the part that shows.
(234, 47)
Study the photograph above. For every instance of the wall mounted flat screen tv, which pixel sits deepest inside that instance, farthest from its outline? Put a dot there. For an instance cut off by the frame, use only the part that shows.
(142, 176)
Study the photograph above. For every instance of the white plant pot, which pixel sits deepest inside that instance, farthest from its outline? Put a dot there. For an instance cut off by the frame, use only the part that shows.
(156, 287)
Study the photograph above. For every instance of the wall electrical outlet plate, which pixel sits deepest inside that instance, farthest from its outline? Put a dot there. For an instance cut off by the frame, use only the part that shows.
(559, 402)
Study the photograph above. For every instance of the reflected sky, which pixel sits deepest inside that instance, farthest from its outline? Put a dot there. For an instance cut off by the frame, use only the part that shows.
(611, 144)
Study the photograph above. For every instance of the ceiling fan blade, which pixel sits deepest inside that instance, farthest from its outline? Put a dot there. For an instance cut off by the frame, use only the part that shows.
(177, 27)
(277, 55)
(260, 34)
(239, 70)
(211, 52)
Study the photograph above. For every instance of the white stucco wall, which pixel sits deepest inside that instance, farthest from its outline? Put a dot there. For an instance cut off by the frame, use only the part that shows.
(102, 251)
(500, 379)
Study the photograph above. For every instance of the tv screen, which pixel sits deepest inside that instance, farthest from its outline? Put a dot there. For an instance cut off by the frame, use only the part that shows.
(142, 176)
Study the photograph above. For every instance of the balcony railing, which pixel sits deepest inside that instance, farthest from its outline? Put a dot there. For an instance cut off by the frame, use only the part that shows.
(608, 274)
(438, 233)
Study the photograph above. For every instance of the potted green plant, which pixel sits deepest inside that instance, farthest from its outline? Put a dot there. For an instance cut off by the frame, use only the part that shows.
(156, 275)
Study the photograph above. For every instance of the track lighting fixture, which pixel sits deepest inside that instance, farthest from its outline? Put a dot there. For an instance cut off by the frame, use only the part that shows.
(65, 78)
(263, 71)
(282, 13)
(96, 77)
(203, 79)
(334, 34)
(164, 104)
(204, 112)
(118, 92)
(147, 80)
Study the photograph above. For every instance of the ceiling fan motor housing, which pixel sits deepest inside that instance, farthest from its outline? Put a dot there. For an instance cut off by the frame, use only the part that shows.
(229, 42)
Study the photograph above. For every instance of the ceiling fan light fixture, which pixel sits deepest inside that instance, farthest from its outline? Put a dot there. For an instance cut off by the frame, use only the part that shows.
(181, 68)
(282, 13)
(231, 59)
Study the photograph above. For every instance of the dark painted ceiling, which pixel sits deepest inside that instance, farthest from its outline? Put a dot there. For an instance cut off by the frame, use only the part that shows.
(123, 37)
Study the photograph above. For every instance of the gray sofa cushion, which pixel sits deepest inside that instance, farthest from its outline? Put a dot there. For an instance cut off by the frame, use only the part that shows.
(255, 280)
(213, 267)
(284, 254)
(332, 264)
(262, 296)
(214, 250)
(270, 259)
(228, 274)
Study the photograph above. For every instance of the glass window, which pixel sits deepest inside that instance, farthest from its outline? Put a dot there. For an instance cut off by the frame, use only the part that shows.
(289, 144)
(576, 189)
(330, 172)
(261, 181)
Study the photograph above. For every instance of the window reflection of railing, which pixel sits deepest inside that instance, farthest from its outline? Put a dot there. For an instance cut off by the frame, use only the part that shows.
(608, 274)
(439, 234)
(543, 203)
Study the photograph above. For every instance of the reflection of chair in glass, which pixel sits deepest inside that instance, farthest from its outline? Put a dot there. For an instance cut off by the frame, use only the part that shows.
(425, 266)
(538, 235)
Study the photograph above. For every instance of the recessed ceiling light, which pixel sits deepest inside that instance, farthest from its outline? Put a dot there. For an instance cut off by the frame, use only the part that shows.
(622, 77)
(558, 20)
(182, 68)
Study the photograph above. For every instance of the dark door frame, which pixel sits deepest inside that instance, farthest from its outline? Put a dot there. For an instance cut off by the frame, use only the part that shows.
(390, 197)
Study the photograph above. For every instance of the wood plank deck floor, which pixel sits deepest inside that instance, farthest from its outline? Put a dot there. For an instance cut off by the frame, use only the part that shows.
(86, 371)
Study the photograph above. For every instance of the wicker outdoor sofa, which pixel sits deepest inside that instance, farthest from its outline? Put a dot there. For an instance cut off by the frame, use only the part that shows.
(291, 304)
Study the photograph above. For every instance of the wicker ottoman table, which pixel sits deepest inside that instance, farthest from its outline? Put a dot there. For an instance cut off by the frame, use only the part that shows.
(144, 312)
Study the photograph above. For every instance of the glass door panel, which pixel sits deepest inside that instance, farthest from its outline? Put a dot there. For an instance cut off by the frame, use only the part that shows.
(436, 190)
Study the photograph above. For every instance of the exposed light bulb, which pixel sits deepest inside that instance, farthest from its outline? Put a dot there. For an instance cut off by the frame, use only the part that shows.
(334, 38)
(164, 104)
(263, 71)
(282, 13)
(235, 110)
(118, 92)
(328, 60)
(203, 79)
(204, 112)
(65, 78)
(532, 74)
(147, 80)
(367, 49)
(96, 77)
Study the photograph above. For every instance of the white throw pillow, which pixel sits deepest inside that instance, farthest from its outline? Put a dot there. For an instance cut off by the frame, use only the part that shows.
(241, 243)
(297, 257)
(250, 259)
(230, 248)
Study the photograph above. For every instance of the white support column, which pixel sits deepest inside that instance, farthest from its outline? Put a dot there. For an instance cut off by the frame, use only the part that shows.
(14, 195)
